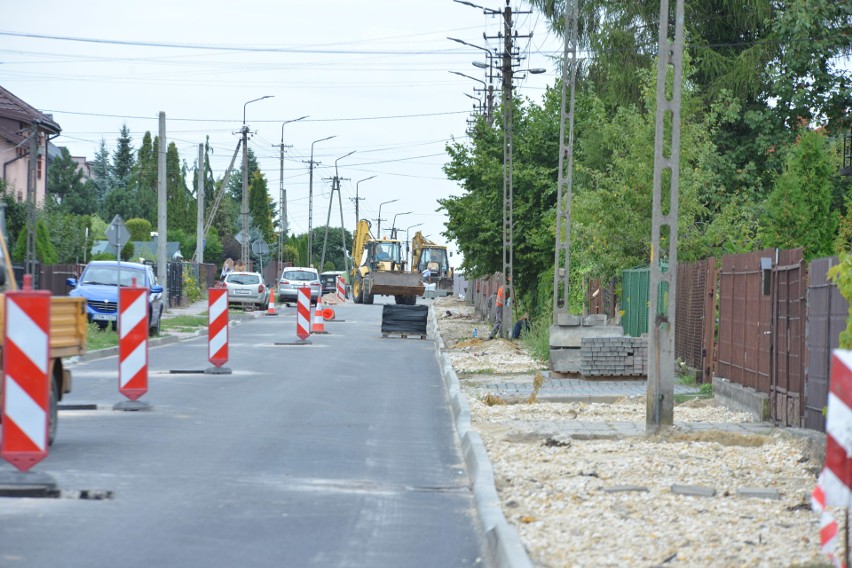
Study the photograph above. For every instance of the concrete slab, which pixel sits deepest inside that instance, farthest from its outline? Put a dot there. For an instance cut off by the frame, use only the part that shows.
(693, 490)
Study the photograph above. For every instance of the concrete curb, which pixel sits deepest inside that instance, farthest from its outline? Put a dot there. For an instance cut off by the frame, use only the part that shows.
(504, 547)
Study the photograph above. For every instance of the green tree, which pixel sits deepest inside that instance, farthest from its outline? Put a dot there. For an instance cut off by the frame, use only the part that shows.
(45, 252)
(260, 206)
(64, 177)
(335, 258)
(102, 173)
(67, 233)
(123, 159)
(140, 229)
(798, 209)
(144, 178)
(181, 205)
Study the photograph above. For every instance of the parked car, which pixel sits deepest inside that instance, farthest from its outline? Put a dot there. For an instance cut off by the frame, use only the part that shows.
(329, 281)
(99, 286)
(246, 288)
(296, 277)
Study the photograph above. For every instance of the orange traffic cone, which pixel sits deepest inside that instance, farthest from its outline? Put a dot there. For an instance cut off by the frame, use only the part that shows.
(270, 311)
(328, 314)
(319, 322)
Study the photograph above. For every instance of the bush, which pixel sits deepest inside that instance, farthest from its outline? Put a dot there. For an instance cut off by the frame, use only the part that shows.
(191, 288)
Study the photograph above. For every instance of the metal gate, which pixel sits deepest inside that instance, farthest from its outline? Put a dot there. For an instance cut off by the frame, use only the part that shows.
(789, 287)
(695, 319)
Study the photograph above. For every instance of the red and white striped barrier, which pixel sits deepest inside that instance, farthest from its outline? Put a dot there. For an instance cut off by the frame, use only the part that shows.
(303, 313)
(217, 326)
(341, 289)
(26, 382)
(133, 342)
(834, 487)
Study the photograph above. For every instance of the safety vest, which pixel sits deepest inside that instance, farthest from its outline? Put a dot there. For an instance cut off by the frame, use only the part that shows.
(501, 295)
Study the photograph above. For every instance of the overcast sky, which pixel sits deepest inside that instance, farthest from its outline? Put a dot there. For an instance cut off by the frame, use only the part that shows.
(374, 74)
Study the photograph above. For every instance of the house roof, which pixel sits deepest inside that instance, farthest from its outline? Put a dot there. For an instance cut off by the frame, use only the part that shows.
(16, 109)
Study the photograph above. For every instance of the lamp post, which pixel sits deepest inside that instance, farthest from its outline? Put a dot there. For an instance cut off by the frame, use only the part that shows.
(244, 209)
(335, 186)
(393, 227)
(282, 195)
(489, 88)
(379, 230)
(358, 200)
(408, 241)
(311, 200)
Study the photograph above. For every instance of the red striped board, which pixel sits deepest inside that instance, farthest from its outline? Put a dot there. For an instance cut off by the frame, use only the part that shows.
(217, 326)
(133, 342)
(837, 475)
(26, 378)
(303, 314)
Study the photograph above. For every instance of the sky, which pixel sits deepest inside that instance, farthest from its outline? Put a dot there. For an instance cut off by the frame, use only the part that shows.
(374, 74)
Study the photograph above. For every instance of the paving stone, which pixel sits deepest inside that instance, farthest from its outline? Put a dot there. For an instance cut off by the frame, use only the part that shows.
(693, 490)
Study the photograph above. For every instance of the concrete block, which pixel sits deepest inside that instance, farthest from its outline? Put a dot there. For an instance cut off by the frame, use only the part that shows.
(626, 489)
(565, 360)
(693, 490)
(573, 336)
(566, 320)
(594, 320)
(740, 398)
(758, 492)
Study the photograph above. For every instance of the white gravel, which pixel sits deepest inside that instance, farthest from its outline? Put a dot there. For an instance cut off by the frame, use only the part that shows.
(568, 497)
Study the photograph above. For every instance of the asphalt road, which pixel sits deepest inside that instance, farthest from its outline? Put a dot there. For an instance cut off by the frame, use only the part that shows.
(339, 453)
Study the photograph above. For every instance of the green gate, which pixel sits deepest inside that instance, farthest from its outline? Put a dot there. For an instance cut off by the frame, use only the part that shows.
(635, 284)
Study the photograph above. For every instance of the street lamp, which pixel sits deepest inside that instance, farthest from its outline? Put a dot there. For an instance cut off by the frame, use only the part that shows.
(244, 209)
(358, 199)
(282, 195)
(335, 186)
(379, 230)
(311, 200)
(408, 241)
(393, 227)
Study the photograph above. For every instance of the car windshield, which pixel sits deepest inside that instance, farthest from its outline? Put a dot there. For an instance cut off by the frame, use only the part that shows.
(301, 275)
(108, 276)
(243, 279)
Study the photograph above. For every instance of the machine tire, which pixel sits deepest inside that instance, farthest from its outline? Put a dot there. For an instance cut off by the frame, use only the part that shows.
(412, 300)
(53, 411)
(358, 291)
(368, 298)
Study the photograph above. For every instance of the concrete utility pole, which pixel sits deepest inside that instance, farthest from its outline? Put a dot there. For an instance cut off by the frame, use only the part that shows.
(664, 220)
(282, 196)
(31, 259)
(162, 203)
(564, 191)
(199, 202)
(312, 163)
(244, 208)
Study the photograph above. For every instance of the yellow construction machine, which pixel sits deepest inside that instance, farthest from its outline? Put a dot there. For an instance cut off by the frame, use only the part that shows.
(380, 269)
(432, 262)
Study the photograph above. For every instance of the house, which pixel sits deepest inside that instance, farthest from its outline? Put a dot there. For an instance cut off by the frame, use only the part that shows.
(21, 125)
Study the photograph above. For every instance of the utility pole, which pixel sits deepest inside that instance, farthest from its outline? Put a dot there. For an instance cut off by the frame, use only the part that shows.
(162, 226)
(30, 260)
(199, 203)
(282, 197)
(664, 225)
(312, 163)
(565, 176)
(244, 208)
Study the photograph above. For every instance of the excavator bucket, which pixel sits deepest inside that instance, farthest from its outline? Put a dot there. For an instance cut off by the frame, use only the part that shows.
(396, 283)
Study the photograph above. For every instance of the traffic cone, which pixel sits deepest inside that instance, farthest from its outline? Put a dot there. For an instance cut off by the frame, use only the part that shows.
(319, 323)
(328, 314)
(270, 311)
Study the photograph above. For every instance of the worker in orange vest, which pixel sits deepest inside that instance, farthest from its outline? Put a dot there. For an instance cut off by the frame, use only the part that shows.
(498, 314)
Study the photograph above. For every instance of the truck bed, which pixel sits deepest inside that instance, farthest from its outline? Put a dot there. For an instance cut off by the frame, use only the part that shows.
(68, 325)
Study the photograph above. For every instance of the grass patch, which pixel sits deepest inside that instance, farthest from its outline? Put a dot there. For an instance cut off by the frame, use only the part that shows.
(100, 339)
(537, 340)
(184, 323)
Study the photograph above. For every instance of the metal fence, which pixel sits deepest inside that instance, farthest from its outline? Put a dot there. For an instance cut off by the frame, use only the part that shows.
(695, 315)
(827, 311)
(601, 298)
(789, 291)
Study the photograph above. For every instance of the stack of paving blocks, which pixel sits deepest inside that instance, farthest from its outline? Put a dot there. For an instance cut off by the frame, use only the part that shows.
(614, 356)
(568, 335)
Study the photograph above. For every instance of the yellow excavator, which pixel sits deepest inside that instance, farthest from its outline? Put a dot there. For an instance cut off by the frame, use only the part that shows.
(381, 269)
(434, 258)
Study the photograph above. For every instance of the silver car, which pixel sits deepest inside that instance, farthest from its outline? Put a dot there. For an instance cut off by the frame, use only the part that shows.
(247, 288)
(296, 277)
